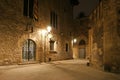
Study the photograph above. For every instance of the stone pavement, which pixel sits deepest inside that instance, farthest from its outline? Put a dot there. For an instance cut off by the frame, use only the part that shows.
(57, 70)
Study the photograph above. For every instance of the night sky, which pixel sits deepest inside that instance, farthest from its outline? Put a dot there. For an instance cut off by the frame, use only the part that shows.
(85, 6)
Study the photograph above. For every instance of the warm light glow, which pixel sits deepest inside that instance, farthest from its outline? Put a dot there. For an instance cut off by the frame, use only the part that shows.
(75, 40)
(44, 32)
(49, 28)
(39, 32)
(34, 38)
(50, 35)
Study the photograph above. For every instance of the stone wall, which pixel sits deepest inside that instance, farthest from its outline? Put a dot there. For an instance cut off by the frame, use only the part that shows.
(13, 30)
(111, 41)
(103, 36)
(80, 33)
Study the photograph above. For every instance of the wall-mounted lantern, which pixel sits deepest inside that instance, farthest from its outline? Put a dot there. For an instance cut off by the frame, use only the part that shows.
(74, 40)
(49, 28)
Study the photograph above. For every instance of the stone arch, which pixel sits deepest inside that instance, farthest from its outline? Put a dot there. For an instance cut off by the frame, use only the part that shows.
(80, 49)
(82, 42)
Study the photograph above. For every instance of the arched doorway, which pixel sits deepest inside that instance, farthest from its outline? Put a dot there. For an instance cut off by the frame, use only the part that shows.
(82, 52)
(28, 50)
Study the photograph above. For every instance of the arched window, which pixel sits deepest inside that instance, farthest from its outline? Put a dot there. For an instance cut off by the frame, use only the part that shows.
(82, 42)
(28, 50)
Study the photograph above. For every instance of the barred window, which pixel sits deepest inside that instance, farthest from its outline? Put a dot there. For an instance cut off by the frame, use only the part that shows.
(28, 8)
(53, 19)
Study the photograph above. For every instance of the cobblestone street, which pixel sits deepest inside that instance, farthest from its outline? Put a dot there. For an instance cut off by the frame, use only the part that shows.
(58, 70)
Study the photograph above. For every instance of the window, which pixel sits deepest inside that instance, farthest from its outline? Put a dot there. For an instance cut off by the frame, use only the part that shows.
(53, 19)
(52, 45)
(28, 8)
(82, 42)
(67, 47)
(118, 11)
(29, 50)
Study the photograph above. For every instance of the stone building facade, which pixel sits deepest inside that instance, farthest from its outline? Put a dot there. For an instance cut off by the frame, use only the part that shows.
(104, 36)
(24, 39)
(80, 46)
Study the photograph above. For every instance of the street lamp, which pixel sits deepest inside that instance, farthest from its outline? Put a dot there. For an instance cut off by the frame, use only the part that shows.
(49, 29)
(45, 35)
(74, 40)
